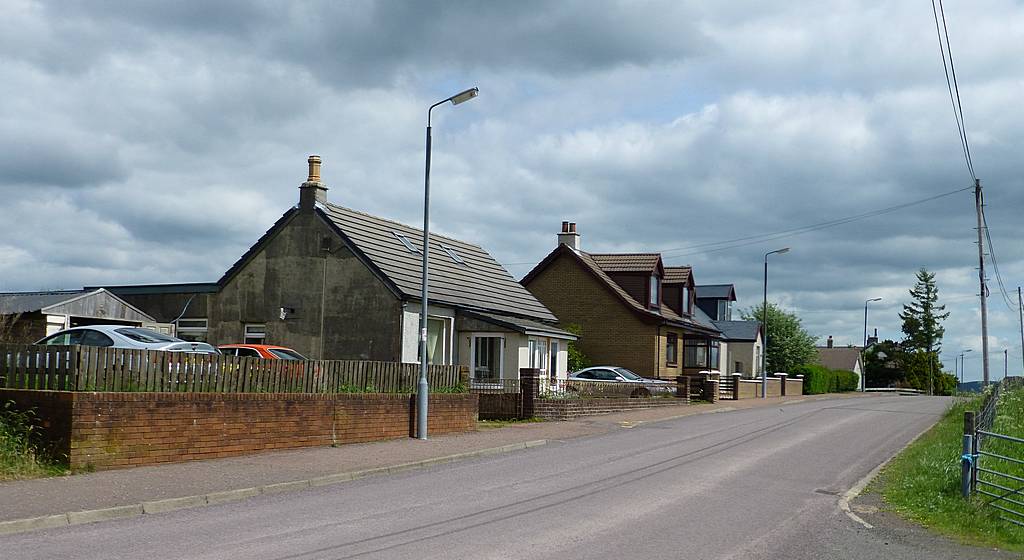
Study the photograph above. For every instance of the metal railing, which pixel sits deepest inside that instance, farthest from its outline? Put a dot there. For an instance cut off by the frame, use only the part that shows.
(992, 464)
(578, 389)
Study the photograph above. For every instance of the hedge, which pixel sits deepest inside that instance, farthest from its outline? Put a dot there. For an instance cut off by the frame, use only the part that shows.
(820, 379)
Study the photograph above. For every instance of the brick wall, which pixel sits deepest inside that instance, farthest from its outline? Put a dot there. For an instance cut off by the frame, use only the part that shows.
(612, 334)
(573, 408)
(111, 430)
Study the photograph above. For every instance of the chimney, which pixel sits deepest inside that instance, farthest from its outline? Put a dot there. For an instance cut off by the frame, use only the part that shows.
(312, 191)
(829, 342)
(569, 237)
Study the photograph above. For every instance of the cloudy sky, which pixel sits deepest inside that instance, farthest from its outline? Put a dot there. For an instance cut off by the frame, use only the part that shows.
(149, 142)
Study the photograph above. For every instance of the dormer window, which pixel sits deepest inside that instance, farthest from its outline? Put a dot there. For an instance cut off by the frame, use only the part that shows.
(724, 310)
(687, 306)
(654, 291)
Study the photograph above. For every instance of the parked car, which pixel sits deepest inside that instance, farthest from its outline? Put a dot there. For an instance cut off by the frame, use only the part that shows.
(622, 380)
(122, 336)
(265, 351)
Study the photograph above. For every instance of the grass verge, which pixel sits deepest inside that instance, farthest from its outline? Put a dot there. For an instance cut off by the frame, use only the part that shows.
(19, 457)
(492, 424)
(923, 482)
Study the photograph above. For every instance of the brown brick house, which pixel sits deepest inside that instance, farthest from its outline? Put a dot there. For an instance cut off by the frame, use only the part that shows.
(633, 311)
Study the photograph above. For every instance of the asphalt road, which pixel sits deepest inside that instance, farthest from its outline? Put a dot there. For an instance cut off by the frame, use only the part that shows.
(759, 483)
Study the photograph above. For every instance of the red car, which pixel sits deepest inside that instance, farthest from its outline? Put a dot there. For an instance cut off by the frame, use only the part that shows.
(265, 351)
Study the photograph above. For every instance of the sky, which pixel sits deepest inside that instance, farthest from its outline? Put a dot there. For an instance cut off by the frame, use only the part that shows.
(154, 142)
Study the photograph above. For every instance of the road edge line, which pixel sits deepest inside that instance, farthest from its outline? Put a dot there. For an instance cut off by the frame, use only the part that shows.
(154, 507)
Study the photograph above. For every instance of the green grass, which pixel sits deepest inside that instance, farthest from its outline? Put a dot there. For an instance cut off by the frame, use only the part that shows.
(19, 458)
(492, 424)
(923, 482)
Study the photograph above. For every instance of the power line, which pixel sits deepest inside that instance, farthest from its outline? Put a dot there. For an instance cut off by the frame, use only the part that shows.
(995, 264)
(954, 100)
(754, 239)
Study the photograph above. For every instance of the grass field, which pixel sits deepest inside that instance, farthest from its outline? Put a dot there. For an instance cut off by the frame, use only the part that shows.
(923, 482)
(19, 459)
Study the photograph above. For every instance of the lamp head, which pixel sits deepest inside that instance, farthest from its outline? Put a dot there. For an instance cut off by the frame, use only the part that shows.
(875, 299)
(465, 96)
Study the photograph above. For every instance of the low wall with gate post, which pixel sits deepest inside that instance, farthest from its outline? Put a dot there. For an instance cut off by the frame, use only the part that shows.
(111, 430)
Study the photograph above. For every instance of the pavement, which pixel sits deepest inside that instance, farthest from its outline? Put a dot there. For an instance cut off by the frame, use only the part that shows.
(84, 498)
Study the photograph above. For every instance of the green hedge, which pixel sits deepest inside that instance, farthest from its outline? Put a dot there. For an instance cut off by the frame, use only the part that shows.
(820, 379)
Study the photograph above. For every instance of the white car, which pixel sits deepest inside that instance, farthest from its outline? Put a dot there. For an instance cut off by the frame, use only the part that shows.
(123, 336)
(627, 381)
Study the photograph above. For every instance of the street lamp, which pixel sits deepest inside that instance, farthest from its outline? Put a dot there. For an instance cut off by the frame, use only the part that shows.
(962, 365)
(764, 322)
(423, 389)
(863, 375)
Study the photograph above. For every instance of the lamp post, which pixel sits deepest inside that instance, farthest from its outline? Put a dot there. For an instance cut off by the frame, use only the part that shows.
(423, 388)
(863, 375)
(764, 321)
(962, 364)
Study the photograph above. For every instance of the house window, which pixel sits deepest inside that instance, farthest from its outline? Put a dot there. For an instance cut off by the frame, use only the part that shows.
(488, 361)
(672, 349)
(405, 241)
(454, 256)
(724, 310)
(715, 351)
(737, 367)
(686, 300)
(695, 352)
(653, 291)
(192, 330)
(439, 341)
(255, 333)
(538, 353)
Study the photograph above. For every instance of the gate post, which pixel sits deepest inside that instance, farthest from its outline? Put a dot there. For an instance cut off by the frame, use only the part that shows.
(968, 457)
(736, 377)
(782, 383)
(711, 387)
(683, 387)
(529, 387)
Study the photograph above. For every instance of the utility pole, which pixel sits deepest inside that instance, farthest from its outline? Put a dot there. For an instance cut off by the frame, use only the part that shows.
(1020, 315)
(1005, 357)
(978, 201)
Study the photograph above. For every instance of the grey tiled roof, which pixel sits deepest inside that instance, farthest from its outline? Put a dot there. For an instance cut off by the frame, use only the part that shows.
(627, 262)
(739, 330)
(28, 302)
(715, 291)
(519, 324)
(479, 283)
(839, 358)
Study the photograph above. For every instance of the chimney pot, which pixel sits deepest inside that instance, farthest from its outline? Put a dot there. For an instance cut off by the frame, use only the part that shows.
(572, 227)
(569, 237)
(565, 227)
(314, 169)
(829, 341)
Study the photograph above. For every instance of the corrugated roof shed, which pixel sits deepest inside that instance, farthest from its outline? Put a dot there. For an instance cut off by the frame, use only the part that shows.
(28, 302)
(461, 274)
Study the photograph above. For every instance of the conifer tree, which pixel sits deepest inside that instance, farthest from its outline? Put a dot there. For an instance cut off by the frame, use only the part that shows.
(922, 317)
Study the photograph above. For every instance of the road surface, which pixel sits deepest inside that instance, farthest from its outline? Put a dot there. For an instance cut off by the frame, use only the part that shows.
(759, 483)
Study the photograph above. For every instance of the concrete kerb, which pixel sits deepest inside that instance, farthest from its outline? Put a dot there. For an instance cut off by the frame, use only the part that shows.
(187, 502)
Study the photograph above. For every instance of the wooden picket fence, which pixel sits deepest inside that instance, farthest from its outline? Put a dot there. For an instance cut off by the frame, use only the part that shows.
(88, 368)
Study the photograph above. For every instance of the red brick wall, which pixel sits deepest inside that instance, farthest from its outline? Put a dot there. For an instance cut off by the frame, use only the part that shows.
(111, 430)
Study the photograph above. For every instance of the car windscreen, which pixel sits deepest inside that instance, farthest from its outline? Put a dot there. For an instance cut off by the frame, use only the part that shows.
(145, 335)
(285, 354)
(628, 374)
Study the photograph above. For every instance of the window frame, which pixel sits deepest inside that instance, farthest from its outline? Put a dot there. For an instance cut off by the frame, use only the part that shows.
(404, 240)
(654, 291)
(671, 349)
(254, 336)
(473, 346)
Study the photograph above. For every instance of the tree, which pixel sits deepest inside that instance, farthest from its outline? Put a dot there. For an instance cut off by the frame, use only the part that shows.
(577, 360)
(883, 364)
(788, 344)
(922, 325)
(922, 317)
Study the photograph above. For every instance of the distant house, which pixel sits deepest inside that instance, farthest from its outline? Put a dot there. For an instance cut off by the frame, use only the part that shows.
(336, 283)
(30, 316)
(846, 358)
(744, 339)
(633, 311)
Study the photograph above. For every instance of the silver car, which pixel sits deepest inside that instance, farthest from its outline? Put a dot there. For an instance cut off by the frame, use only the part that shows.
(625, 380)
(122, 336)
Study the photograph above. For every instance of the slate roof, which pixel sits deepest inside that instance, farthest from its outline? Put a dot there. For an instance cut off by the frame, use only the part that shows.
(677, 274)
(839, 358)
(740, 331)
(521, 325)
(716, 291)
(479, 282)
(627, 262)
(28, 302)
